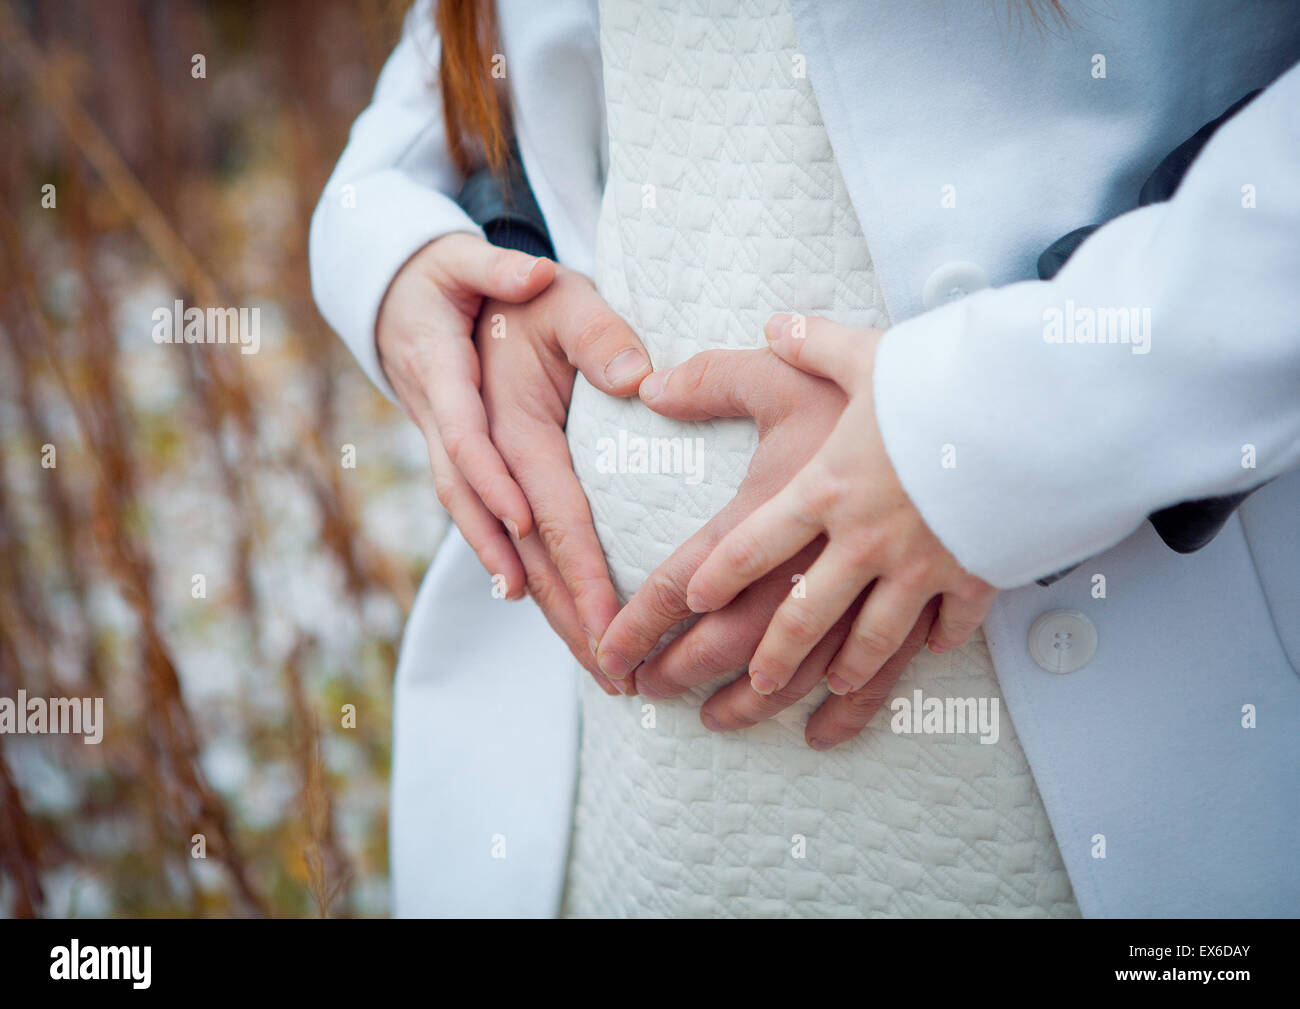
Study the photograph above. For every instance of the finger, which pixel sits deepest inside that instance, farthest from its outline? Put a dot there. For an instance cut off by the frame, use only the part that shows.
(776, 530)
(564, 522)
(660, 603)
(878, 632)
(481, 269)
(840, 718)
(821, 347)
(959, 616)
(722, 642)
(738, 705)
(714, 383)
(816, 602)
(601, 346)
(549, 592)
(479, 526)
(461, 421)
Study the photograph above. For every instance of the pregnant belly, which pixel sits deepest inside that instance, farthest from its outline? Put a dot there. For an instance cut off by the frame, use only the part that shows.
(904, 823)
(651, 481)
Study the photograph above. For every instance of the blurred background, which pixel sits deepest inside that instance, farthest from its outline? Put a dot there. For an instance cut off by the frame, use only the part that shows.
(221, 545)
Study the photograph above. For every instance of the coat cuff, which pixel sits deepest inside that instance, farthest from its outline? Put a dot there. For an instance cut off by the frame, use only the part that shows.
(967, 428)
(366, 231)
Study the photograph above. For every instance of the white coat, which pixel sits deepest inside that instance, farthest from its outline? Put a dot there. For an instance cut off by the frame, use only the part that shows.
(970, 138)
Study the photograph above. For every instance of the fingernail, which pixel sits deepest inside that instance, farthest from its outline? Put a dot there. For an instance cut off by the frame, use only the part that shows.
(820, 744)
(654, 383)
(592, 643)
(648, 690)
(937, 649)
(761, 684)
(625, 365)
(527, 271)
(514, 529)
(777, 326)
(696, 603)
(614, 665)
(837, 685)
(711, 723)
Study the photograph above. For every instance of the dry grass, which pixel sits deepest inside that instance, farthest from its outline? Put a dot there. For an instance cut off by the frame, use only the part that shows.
(222, 711)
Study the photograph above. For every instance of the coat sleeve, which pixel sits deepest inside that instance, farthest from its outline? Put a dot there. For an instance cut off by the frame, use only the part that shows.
(1026, 452)
(391, 193)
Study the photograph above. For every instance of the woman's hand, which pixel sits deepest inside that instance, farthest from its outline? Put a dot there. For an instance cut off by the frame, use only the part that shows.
(795, 413)
(847, 492)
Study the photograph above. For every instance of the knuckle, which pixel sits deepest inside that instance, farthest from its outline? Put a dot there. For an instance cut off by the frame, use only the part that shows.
(733, 715)
(553, 532)
(875, 641)
(861, 702)
(799, 624)
(708, 653)
(544, 592)
(696, 373)
(742, 552)
(779, 700)
(593, 331)
(845, 717)
(861, 551)
(410, 359)
(514, 436)
(913, 577)
(959, 626)
(586, 588)
(823, 494)
(445, 489)
(665, 597)
(749, 708)
(454, 442)
(503, 266)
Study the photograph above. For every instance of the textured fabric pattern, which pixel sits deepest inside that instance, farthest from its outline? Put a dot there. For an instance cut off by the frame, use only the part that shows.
(724, 204)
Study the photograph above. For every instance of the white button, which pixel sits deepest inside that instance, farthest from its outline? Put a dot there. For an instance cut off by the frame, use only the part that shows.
(1062, 641)
(951, 282)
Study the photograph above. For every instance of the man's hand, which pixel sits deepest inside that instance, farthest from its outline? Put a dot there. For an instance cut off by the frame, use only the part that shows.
(841, 716)
(528, 355)
(424, 338)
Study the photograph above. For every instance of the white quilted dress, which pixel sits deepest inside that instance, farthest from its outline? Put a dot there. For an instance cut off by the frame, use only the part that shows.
(724, 204)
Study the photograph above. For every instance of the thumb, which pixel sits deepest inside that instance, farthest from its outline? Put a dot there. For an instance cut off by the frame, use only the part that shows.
(821, 347)
(595, 340)
(477, 267)
(715, 383)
